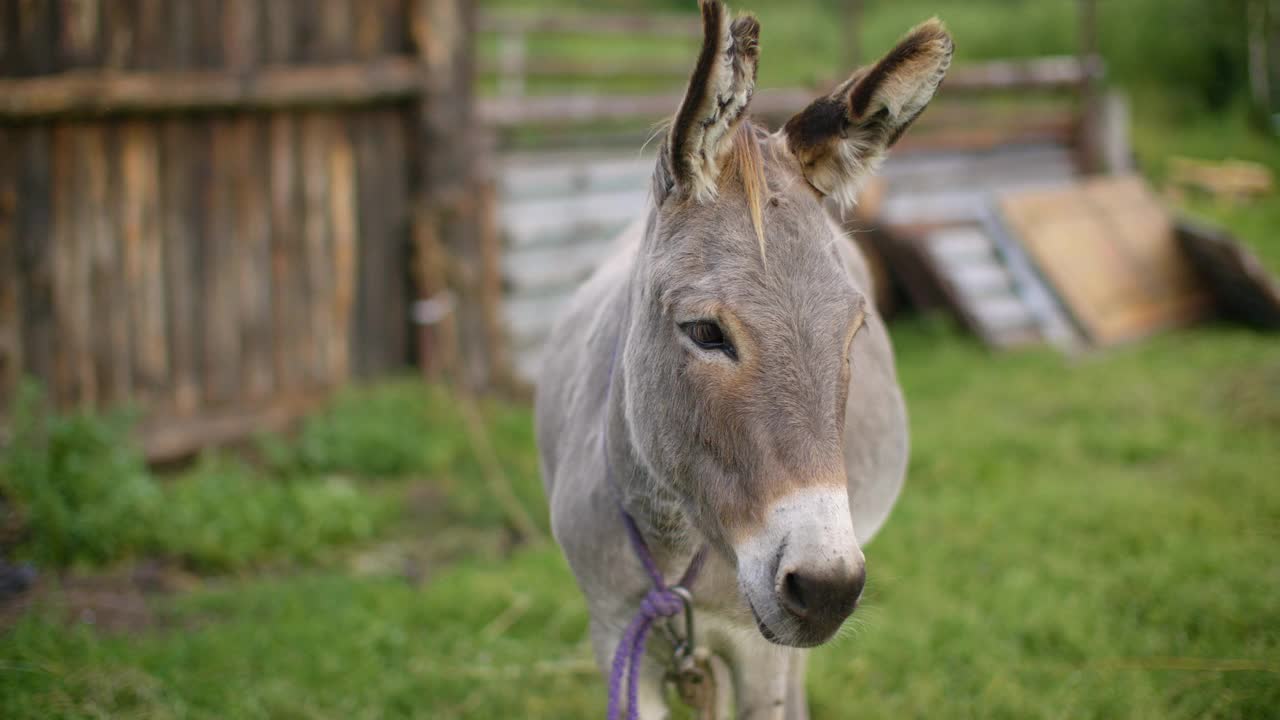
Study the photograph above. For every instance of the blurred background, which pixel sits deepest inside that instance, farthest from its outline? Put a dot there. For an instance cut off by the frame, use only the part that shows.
(275, 278)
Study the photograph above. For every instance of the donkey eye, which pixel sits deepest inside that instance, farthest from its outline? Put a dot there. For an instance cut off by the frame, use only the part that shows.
(709, 336)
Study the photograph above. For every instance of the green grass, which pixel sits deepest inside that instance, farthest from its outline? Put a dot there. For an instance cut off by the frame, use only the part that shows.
(80, 490)
(1091, 538)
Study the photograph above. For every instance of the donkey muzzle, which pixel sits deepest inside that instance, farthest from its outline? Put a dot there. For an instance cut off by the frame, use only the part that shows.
(803, 572)
(819, 599)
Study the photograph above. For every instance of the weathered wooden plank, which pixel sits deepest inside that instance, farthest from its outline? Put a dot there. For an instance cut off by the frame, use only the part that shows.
(1050, 74)
(10, 60)
(288, 268)
(369, 21)
(553, 267)
(168, 439)
(280, 33)
(143, 276)
(241, 29)
(1042, 73)
(101, 224)
(317, 132)
(221, 297)
(489, 286)
(75, 165)
(379, 330)
(10, 278)
(252, 242)
(120, 26)
(552, 109)
(333, 36)
(395, 277)
(207, 34)
(529, 176)
(368, 328)
(342, 223)
(82, 37)
(959, 170)
(102, 92)
(182, 50)
(148, 32)
(184, 148)
(529, 319)
(559, 67)
(36, 235)
(553, 220)
(680, 26)
(35, 40)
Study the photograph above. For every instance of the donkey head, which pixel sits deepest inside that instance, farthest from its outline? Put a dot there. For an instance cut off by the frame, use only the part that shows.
(738, 359)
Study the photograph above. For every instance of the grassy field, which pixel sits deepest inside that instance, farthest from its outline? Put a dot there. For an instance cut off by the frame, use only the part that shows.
(1088, 538)
(1077, 539)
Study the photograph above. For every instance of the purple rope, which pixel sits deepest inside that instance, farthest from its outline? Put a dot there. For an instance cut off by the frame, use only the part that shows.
(660, 602)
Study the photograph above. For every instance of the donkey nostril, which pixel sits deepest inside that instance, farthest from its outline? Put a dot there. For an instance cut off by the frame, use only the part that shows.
(822, 595)
(794, 594)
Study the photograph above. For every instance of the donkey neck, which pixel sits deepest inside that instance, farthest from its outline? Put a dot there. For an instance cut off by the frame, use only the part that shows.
(631, 484)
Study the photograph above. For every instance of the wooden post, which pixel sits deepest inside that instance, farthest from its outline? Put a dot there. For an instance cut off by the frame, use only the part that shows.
(1260, 48)
(1089, 151)
(450, 262)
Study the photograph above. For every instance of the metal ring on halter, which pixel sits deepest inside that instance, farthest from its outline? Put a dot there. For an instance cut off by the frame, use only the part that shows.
(685, 648)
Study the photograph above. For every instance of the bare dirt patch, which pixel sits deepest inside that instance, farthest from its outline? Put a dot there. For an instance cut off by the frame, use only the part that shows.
(119, 601)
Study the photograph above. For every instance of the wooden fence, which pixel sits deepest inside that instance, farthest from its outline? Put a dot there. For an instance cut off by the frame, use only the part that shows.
(215, 211)
(995, 124)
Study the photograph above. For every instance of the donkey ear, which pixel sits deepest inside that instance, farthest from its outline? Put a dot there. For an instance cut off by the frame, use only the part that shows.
(715, 103)
(841, 139)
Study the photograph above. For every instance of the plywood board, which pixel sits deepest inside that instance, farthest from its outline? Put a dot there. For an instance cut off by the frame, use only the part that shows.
(1108, 249)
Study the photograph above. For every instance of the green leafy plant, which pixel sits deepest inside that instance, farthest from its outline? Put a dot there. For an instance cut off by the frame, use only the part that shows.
(79, 482)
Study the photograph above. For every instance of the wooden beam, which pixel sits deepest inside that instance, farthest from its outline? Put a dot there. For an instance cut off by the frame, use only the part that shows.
(1049, 130)
(110, 92)
(678, 26)
(569, 109)
(1089, 142)
(1041, 74)
(1046, 73)
(169, 439)
(566, 67)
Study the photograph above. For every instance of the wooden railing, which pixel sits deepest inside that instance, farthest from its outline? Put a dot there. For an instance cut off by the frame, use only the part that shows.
(514, 66)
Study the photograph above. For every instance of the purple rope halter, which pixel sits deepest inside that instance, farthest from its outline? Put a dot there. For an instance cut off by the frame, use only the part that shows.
(662, 601)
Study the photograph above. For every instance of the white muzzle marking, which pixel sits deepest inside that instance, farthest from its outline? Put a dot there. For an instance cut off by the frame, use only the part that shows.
(810, 532)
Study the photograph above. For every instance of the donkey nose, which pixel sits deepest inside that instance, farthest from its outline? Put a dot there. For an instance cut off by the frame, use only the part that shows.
(822, 600)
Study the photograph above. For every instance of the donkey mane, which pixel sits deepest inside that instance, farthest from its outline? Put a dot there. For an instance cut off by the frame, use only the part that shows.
(744, 163)
(747, 165)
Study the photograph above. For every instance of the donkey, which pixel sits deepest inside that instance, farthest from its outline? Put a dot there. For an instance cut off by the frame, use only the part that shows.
(723, 380)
